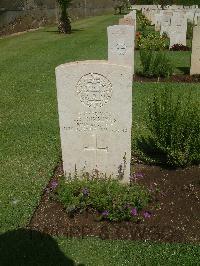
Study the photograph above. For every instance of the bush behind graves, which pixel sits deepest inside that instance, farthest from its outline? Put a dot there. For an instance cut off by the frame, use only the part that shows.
(175, 128)
(152, 41)
(113, 200)
(155, 64)
(142, 21)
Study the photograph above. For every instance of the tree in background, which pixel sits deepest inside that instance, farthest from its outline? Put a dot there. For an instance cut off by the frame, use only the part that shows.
(164, 3)
(64, 25)
(121, 6)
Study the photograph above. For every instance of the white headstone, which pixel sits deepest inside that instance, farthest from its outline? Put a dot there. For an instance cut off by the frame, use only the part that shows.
(195, 57)
(178, 29)
(196, 16)
(132, 15)
(165, 23)
(95, 117)
(127, 21)
(121, 39)
(158, 17)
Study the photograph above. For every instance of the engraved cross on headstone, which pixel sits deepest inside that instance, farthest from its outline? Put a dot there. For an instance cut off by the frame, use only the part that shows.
(99, 150)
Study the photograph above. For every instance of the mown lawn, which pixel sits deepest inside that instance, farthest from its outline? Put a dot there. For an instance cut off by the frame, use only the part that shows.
(30, 145)
(22, 248)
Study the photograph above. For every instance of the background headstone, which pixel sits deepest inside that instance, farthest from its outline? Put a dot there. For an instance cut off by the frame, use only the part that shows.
(132, 15)
(165, 23)
(178, 29)
(121, 39)
(127, 21)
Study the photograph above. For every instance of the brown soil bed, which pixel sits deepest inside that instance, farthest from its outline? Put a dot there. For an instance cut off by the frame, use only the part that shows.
(175, 211)
(175, 78)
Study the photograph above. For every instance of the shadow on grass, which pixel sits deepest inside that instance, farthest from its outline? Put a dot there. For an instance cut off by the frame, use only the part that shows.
(123, 13)
(56, 31)
(184, 70)
(28, 247)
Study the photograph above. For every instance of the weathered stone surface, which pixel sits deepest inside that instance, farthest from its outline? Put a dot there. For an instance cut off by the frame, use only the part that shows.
(165, 23)
(132, 15)
(158, 17)
(95, 116)
(177, 37)
(195, 58)
(127, 21)
(121, 40)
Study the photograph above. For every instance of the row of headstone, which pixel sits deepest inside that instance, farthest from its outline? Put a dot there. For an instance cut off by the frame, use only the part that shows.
(173, 21)
(95, 109)
(167, 7)
(130, 20)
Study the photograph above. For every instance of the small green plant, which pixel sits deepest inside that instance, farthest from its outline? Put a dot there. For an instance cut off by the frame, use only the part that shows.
(175, 128)
(111, 199)
(155, 64)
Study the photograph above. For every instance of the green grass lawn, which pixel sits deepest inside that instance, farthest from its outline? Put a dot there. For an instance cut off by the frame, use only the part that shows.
(30, 144)
(43, 250)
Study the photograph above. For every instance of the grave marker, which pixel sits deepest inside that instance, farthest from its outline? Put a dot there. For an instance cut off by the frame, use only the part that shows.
(178, 29)
(95, 117)
(121, 45)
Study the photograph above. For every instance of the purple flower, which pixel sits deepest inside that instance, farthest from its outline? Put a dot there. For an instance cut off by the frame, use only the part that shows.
(136, 176)
(105, 213)
(53, 184)
(146, 214)
(134, 212)
(85, 192)
(139, 175)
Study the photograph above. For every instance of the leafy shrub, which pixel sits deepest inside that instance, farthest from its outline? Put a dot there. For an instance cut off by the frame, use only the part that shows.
(113, 200)
(179, 47)
(155, 64)
(152, 41)
(142, 21)
(175, 128)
